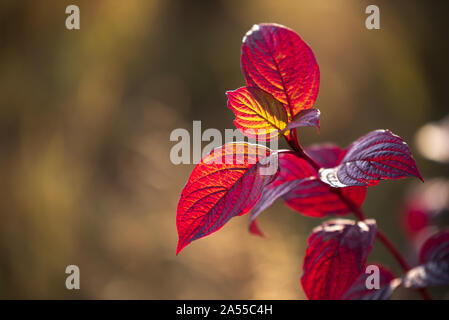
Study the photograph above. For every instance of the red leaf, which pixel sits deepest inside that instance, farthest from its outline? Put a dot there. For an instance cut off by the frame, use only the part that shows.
(359, 291)
(226, 183)
(275, 59)
(257, 113)
(335, 257)
(315, 198)
(376, 156)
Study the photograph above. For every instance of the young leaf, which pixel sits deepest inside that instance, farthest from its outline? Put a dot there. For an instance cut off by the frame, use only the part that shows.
(359, 290)
(376, 156)
(275, 59)
(257, 113)
(315, 198)
(305, 118)
(226, 183)
(335, 257)
(434, 259)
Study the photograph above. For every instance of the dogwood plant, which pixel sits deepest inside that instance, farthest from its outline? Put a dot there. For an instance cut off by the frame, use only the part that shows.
(282, 81)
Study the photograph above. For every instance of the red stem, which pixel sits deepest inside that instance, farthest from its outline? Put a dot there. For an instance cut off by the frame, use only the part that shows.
(387, 243)
(292, 140)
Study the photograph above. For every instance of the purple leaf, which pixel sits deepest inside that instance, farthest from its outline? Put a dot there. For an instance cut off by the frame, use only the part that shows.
(359, 291)
(305, 118)
(434, 259)
(376, 156)
(292, 171)
(270, 194)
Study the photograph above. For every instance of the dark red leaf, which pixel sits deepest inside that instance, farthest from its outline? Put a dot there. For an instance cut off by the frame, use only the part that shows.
(434, 259)
(376, 156)
(305, 118)
(315, 198)
(226, 183)
(275, 59)
(336, 255)
(359, 290)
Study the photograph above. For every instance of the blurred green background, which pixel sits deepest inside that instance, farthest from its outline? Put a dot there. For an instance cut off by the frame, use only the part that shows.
(86, 116)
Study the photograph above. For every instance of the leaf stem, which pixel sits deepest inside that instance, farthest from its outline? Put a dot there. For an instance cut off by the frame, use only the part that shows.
(292, 140)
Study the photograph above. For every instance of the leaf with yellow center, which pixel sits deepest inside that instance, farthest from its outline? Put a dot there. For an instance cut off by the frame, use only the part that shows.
(257, 113)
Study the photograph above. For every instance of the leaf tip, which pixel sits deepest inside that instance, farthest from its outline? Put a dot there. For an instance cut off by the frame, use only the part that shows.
(255, 230)
(180, 246)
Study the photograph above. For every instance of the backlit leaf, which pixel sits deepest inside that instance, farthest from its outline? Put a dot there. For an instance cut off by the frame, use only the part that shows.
(335, 257)
(275, 59)
(257, 113)
(226, 183)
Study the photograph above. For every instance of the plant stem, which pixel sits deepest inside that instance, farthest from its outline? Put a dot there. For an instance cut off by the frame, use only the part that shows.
(387, 243)
(292, 140)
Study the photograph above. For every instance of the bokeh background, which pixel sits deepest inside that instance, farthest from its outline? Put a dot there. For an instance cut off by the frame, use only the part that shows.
(86, 116)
